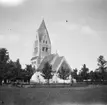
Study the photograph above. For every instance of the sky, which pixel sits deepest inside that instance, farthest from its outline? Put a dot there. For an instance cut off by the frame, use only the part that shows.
(81, 40)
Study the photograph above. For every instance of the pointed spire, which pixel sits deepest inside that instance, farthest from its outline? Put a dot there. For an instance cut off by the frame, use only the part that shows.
(42, 25)
(41, 31)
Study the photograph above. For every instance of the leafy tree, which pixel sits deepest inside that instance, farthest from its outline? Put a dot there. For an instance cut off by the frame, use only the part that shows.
(74, 73)
(91, 75)
(4, 55)
(29, 69)
(94, 76)
(97, 76)
(18, 70)
(102, 66)
(14, 71)
(64, 73)
(84, 72)
(4, 58)
(47, 71)
(11, 71)
(28, 72)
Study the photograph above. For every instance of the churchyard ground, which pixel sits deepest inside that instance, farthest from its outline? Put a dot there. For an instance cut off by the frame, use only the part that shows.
(91, 95)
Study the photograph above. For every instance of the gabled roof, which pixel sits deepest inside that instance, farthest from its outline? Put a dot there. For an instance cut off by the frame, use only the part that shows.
(65, 65)
(57, 63)
(51, 58)
(48, 58)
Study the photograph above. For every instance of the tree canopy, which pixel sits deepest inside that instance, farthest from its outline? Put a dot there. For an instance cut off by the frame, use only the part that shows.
(84, 72)
(64, 73)
(12, 70)
(102, 67)
(47, 71)
(4, 58)
(74, 73)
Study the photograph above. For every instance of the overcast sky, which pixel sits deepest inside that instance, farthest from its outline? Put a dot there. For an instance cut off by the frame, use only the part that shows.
(81, 40)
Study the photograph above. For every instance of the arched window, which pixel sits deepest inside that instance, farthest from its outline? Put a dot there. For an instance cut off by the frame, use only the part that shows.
(43, 41)
(46, 49)
(46, 42)
(43, 48)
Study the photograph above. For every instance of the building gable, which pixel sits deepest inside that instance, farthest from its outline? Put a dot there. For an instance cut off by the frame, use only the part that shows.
(65, 65)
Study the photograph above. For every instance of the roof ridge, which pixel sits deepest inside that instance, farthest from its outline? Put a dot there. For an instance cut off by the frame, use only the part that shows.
(54, 59)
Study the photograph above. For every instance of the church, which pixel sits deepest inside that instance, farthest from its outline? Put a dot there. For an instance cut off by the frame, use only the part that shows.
(42, 54)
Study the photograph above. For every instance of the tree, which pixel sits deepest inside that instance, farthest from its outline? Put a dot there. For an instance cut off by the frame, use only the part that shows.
(74, 73)
(64, 73)
(4, 58)
(94, 76)
(18, 70)
(97, 75)
(28, 72)
(84, 72)
(4, 55)
(47, 71)
(102, 66)
(11, 70)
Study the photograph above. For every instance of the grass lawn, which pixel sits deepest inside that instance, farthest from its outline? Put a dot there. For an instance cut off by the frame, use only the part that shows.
(54, 96)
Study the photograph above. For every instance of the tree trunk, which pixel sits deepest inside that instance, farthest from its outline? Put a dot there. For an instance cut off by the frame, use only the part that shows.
(64, 83)
(71, 82)
(48, 81)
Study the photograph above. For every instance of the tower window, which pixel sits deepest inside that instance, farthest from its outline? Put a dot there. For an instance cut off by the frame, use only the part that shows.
(43, 48)
(46, 49)
(46, 42)
(43, 41)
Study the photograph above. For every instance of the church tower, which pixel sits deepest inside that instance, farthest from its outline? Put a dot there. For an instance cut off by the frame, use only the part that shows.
(42, 45)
